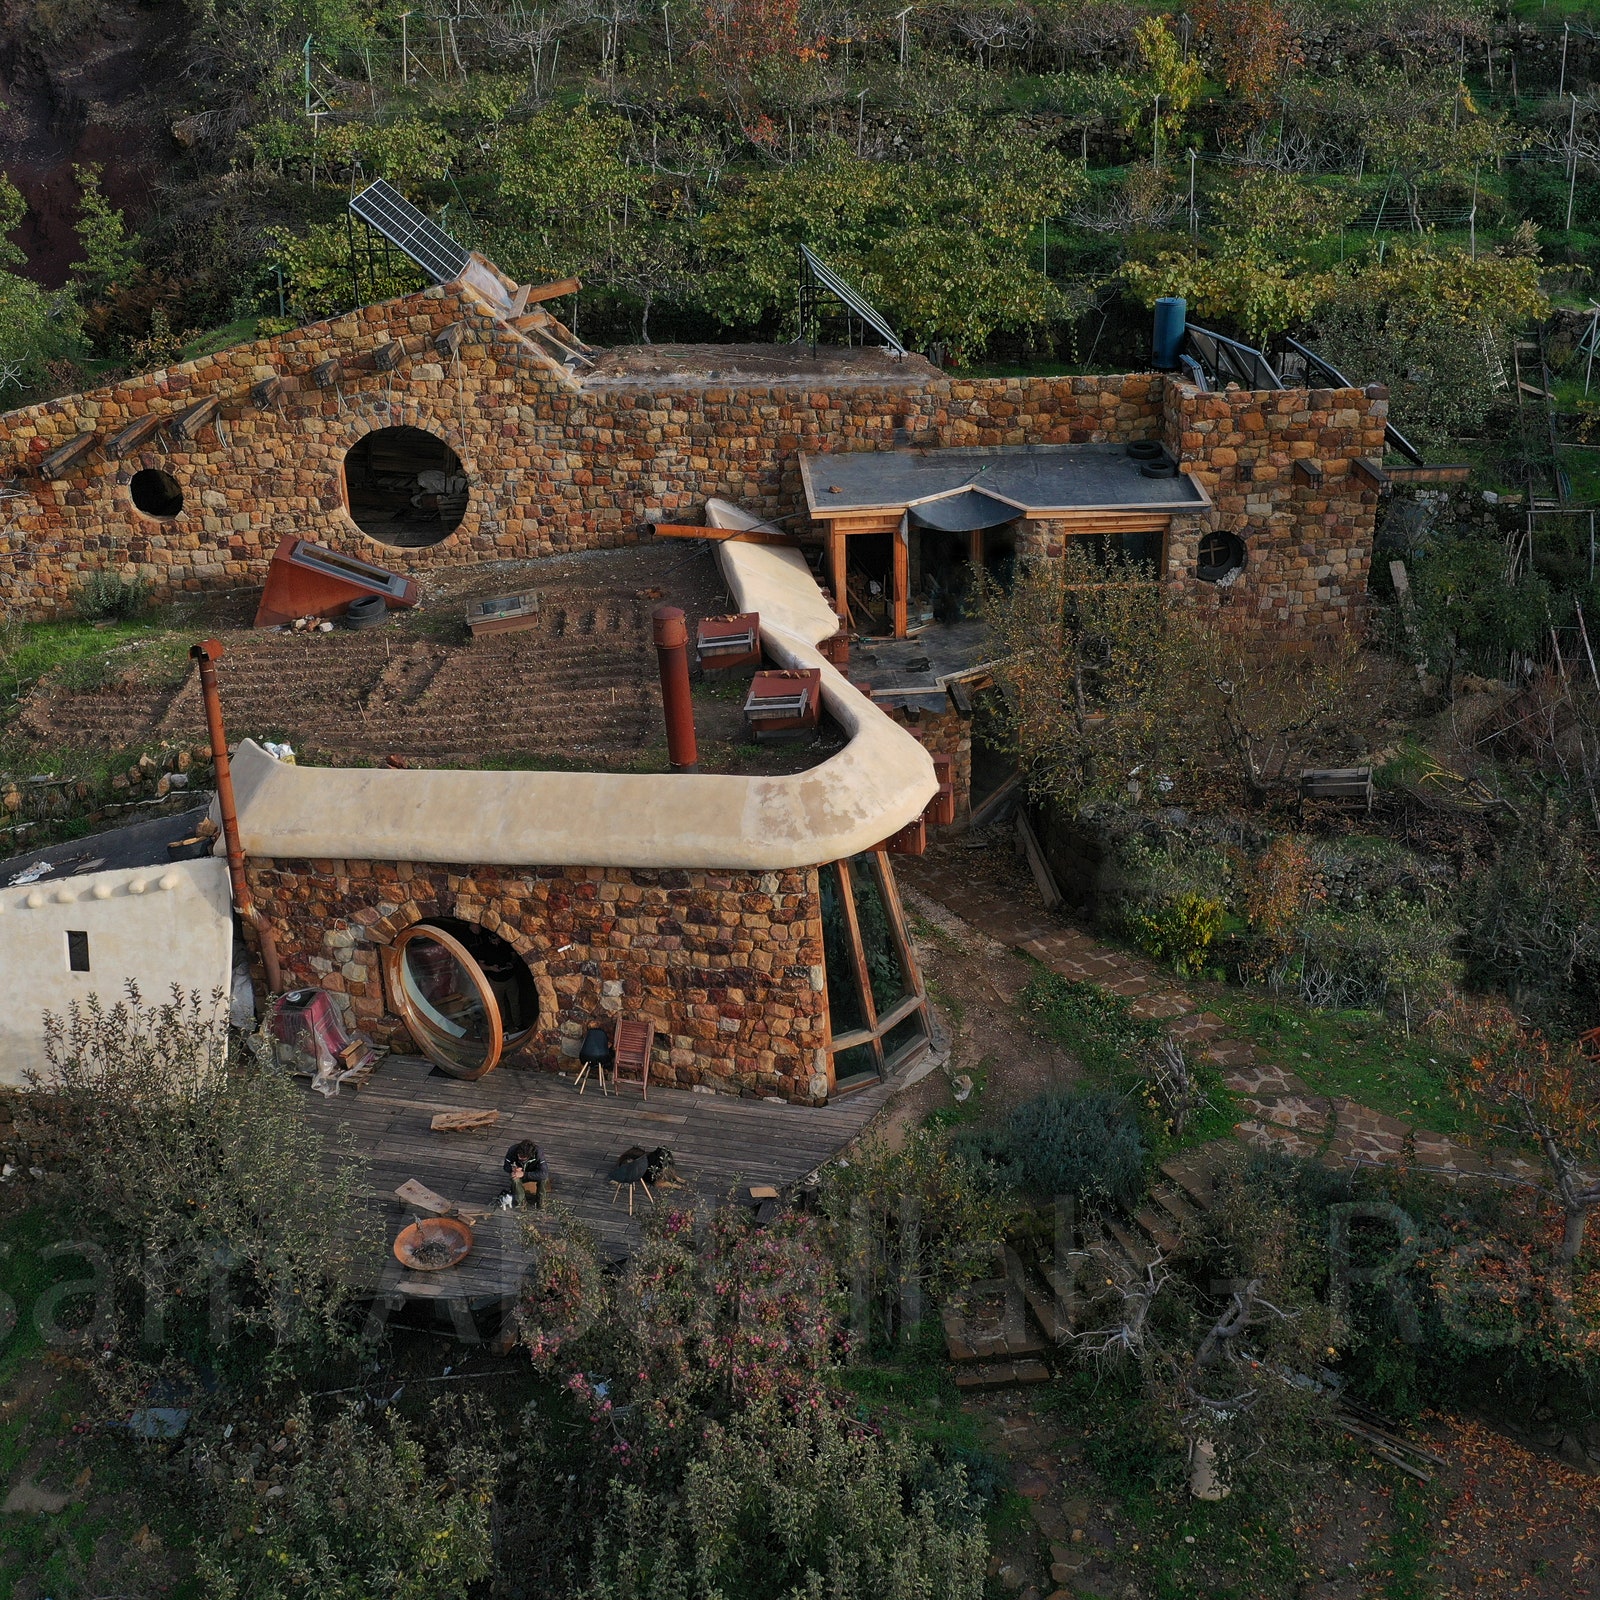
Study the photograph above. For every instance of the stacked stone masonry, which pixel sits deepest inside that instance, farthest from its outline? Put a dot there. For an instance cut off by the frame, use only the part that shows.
(555, 464)
(729, 964)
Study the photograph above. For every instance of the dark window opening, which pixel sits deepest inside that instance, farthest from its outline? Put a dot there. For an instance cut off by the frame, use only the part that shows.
(994, 756)
(156, 493)
(77, 951)
(1221, 554)
(508, 975)
(1141, 548)
(405, 487)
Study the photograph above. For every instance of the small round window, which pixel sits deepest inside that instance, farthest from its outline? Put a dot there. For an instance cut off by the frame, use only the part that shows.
(405, 487)
(1221, 555)
(156, 493)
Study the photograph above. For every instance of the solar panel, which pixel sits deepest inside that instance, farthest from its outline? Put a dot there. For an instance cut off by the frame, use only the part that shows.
(831, 281)
(380, 205)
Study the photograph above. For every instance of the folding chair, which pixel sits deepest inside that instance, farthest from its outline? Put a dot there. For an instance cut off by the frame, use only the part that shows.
(631, 1044)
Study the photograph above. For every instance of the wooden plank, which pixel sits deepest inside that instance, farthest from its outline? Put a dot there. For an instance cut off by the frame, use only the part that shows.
(1040, 868)
(463, 1121)
(1074, 521)
(900, 578)
(537, 293)
(694, 530)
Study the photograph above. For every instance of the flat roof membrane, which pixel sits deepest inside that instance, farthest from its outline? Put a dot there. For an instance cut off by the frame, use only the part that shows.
(1036, 478)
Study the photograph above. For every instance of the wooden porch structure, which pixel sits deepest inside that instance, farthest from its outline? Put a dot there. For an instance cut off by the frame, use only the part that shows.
(718, 1142)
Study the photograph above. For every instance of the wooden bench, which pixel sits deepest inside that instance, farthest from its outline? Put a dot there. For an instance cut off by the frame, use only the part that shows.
(1343, 785)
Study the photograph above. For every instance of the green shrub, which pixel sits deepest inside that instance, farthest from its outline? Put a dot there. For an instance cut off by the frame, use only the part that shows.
(1179, 932)
(796, 1511)
(110, 597)
(1169, 899)
(355, 1510)
(1084, 1143)
(178, 1160)
(1357, 960)
(869, 1200)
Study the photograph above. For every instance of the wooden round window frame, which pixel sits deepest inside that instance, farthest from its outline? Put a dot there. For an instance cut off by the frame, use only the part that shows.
(417, 1027)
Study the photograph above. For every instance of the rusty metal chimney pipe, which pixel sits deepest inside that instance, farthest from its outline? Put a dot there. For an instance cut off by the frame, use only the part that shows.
(206, 657)
(672, 652)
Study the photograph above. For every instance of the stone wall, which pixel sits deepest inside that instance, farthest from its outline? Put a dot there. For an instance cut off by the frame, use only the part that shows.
(944, 733)
(729, 964)
(553, 465)
(1278, 468)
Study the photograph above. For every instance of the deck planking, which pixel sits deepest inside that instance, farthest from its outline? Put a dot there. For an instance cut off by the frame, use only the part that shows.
(719, 1143)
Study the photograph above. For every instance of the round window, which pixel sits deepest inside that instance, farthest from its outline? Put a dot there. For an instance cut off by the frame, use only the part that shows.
(1221, 555)
(156, 493)
(465, 994)
(405, 487)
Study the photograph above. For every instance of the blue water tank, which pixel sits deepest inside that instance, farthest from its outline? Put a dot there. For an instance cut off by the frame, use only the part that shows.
(1171, 317)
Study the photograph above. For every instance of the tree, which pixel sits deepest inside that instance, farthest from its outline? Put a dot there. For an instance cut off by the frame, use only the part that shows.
(1094, 663)
(1253, 44)
(111, 253)
(1548, 1092)
(39, 332)
(942, 246)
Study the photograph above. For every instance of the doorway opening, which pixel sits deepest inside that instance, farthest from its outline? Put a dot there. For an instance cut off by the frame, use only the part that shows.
(464, 993)
(404, 487)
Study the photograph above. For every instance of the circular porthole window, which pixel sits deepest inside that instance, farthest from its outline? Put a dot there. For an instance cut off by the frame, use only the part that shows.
(405, 487)
(1221, 556)
(465, 994)
(156, 493)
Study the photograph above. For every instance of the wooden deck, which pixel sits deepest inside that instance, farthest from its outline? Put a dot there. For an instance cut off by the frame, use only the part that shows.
(719, 1141)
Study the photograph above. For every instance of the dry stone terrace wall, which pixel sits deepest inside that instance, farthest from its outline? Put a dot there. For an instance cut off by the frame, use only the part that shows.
(1279, 469)
(552, 466)
(729, 964)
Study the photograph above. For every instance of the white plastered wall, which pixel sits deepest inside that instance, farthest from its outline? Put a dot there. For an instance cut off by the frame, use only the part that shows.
(158, 926)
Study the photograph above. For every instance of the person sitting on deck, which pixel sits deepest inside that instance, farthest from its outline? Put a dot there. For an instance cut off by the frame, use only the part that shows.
(530, 1173)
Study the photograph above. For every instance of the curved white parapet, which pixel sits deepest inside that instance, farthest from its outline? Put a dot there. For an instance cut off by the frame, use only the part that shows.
(878, 783)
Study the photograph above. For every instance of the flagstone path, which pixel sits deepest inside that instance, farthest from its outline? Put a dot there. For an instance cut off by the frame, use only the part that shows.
(1282, 1112)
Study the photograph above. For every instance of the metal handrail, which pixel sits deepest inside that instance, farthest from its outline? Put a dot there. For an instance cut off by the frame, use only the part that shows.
(1391, 434)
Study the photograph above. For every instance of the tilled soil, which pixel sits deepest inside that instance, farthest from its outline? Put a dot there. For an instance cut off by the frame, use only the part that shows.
(581, 686)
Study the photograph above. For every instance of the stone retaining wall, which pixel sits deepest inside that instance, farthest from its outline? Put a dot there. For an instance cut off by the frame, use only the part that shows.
(1278, 466)
(555, 464)
(729, 964)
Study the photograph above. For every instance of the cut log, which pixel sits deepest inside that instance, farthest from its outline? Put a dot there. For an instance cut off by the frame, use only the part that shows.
(133, 436)
(463, 1121)
(65, 457)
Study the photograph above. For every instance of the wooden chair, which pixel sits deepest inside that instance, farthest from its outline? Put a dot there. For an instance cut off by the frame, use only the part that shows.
(631, 1044)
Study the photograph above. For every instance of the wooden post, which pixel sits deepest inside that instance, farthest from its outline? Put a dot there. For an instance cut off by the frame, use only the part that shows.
(836, 570)
(902, 575)
(975, 547)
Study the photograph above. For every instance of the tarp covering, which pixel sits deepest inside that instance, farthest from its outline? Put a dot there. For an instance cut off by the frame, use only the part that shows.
(964, 513)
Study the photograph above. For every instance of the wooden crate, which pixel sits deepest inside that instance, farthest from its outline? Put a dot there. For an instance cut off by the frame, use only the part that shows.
(1344, 785)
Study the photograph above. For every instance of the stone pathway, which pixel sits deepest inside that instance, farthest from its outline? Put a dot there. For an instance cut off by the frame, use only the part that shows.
(1281, 1111)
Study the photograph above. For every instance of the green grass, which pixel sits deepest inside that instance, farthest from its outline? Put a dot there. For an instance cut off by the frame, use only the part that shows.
(1410, 1542)
(208, 344)
(29, 651)
(1355, 1053)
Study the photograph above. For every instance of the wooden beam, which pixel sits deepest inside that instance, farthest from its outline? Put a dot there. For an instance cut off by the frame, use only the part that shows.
(1372, 471)
(1108, 521)
(187, 424)
(695, 530)
(388, 355)
(900, 578)
(1445, 472)
(65, 457)
(132, 436)
(836, 573)
(447, 341)
(267, 392)
(550, 291)
(326, 373)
